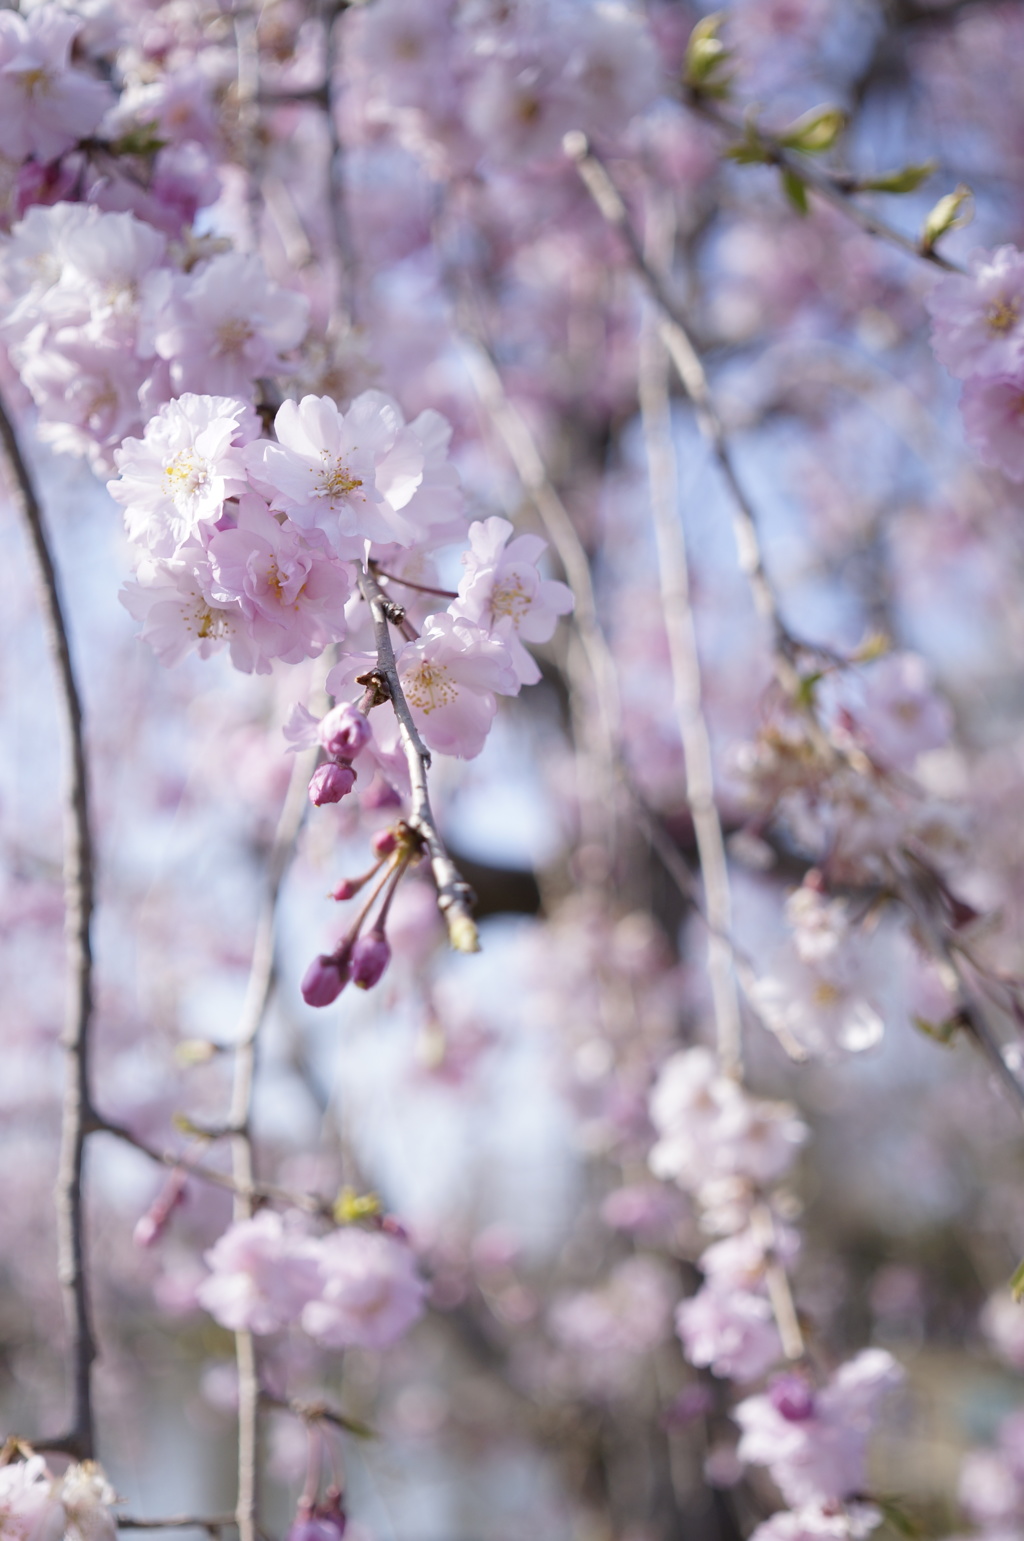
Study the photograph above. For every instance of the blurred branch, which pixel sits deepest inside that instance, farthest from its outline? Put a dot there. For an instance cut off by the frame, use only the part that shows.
(454, 895)
(79, 899)
(260, 988)
(680, 630)
(687, 361)
(318, 1412)
(833, 187)
(213, 1524)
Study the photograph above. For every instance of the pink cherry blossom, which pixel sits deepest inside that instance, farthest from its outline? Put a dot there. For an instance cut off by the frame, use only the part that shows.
(820, 1522)
(820, 1458)
(993, 411)
(978, 318)
(370, 1291)
(504, 593)
(291, 595)
(262, 1273)
(351, 475)
(449, 676)
(175, 479)
(225, 324)
(30, 1506)
(732, 1332)
(46, 105)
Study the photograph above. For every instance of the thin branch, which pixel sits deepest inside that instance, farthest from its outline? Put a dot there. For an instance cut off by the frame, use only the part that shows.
(833, 188)
(260, 989)
(311, 1203)
(680, 629)
(917, 890)
(406, 583)
(454, 895)
(212, 1523)
(79, 899)
(687, 361)
(317, 1412)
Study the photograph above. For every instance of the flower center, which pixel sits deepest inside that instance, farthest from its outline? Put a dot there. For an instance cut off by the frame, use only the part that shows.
(36, 83)
(335, 480)
(510, 598)
(429, 685)
(232, 335)
(1002, 316)
(184, 475)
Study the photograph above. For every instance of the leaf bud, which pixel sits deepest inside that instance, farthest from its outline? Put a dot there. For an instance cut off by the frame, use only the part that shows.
(815, 132)
(946, 216)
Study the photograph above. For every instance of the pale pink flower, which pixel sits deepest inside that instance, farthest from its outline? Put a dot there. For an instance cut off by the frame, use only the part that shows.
(262, 1273)
(978, 317)
(1002, 1322)
(175, 479)
(629, 1314)
(171, 598)
(989, 1490)
(344, 474)
(30, 1506)
(88, 398)
(46, 105)
(993, 412)
(505, 594)
(292, 597)
(370, 1291)
(820, 1455)
(710, 1128)
(449, 676)
(732, 1332)
(87, 1496)
(820, 1522)
(225, 324)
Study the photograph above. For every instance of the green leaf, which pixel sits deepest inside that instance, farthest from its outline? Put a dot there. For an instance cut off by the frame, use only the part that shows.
(942, 1032)
(946, 216)
(707, 58)
(906, 180)
(1017, 1283)
(896, 1514)
(816, 132)
(141, 140)
(805, 690)
(795, 190)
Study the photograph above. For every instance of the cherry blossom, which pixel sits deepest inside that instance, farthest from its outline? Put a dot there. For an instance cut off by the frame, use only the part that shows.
(262, 1274)
(504, 593)
(978, 318)
(46, 104)
(370, 1291)
(176, 478)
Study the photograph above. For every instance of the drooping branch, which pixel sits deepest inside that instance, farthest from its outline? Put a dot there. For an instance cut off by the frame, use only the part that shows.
(79, 900)
(257, 998)
(680, 630)
(454, 895)
(690, 369)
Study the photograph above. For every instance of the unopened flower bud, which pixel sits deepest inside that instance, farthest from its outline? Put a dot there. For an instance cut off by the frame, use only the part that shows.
(151, 1226)
(347, 889)
(370, 957)
(329, 783)
(384, 842)
(792, 1397)
(324, 981)
(344, 732)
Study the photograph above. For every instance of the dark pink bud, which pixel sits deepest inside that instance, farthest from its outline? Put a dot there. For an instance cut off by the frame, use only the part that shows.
(330, 783)
(151, 1226)
(384, 842)
(344, 732)
(380, 794)
(394, 1228)
(791, 1396)
(319, 1522)
(324, 981)
(347, 889)
(370, 957)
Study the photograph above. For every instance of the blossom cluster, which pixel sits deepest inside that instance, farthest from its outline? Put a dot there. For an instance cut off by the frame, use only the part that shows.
(729, 1150)
(978, 333)
(352, 1288)
(37, 1506)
